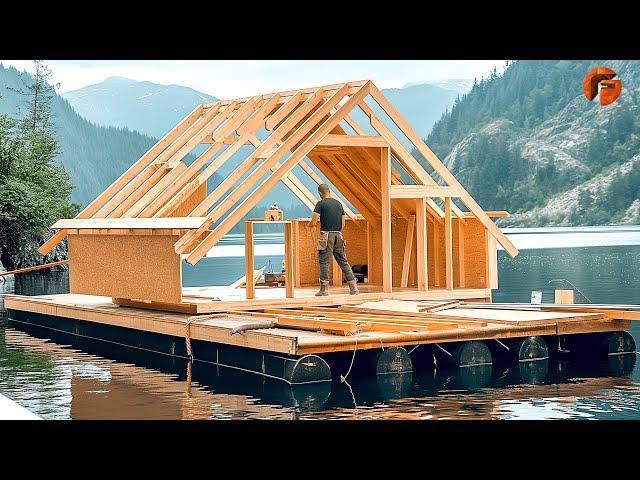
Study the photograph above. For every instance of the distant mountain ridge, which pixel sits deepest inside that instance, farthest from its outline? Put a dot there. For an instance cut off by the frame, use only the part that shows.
(147, 107)
(153, 109)
(94, 156)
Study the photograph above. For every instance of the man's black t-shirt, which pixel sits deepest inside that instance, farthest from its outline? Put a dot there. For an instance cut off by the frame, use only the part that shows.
(331, 212)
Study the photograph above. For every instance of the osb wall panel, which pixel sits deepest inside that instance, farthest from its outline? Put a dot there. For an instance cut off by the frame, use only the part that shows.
(475, 252)
(431, 248)
(306, 261)
(191, 202)
(142, 267)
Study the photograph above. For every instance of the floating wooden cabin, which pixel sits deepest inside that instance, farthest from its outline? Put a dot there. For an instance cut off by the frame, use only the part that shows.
(127, 244)
(425, 240)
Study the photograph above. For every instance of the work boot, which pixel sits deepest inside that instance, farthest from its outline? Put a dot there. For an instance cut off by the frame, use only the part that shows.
(324, 290)
(353, 289)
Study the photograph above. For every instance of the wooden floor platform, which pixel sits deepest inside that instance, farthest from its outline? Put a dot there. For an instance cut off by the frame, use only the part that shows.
(360, 323)
(224, 298)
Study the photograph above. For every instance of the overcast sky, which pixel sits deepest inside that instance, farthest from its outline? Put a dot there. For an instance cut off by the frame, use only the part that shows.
(236, 78)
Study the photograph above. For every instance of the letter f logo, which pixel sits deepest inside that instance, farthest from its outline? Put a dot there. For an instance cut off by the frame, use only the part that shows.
(601, 78)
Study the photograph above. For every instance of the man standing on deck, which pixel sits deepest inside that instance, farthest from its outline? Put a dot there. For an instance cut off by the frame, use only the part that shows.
(330, 213)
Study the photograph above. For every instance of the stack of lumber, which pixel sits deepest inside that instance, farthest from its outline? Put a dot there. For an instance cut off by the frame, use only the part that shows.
(356, 319)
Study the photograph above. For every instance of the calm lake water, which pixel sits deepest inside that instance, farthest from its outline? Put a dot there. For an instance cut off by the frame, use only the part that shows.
(96, 380)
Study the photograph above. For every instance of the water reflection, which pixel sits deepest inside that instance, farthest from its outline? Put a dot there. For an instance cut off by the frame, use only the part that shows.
(90, 379)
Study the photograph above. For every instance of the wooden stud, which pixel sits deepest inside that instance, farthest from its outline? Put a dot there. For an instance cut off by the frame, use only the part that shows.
(492, 261)
(418, 191)
(448, 245)
(408, 248)
(248, 260)
(422, 273)
(385, 185)
(288, 260)
(444, 173)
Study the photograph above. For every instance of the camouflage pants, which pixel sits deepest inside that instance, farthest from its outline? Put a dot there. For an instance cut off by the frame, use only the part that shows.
(332, 244)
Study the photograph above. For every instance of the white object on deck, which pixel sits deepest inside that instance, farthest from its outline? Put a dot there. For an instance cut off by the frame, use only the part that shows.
(10, 410)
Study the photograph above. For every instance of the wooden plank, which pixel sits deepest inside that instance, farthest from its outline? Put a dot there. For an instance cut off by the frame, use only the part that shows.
(130, 223)
(385, 185)
(283, 169)
(408, 248)
(440, 306)
(444, 173)
(422, 271)
(420, 191)
(490, 213)
(370, 256)
(563, 296)
(248, 259)
(448, 245)
(241, 282)
(289, 249)
(353, 141)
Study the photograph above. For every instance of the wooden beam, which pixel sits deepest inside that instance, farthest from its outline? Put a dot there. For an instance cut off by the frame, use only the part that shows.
(385, 185)
(490, 213)
(422, 191)
(251, 160)
(274, 120)
(128, 175)
(352, 141)
(422, 272)
(283, 169)
(289, 249)
(448, 245)
(248, 260)
(132, 223)
(461, 269)
(444, 173)
(408, 248)
(155, 198)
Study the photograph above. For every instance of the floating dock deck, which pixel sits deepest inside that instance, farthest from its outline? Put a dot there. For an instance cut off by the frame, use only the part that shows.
(318, 339)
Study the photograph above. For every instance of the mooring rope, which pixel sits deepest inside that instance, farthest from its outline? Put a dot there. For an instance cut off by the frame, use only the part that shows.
(343, 378)
(187, 336)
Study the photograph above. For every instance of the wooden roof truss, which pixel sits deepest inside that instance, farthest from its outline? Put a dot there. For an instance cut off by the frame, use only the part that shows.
(300, 123)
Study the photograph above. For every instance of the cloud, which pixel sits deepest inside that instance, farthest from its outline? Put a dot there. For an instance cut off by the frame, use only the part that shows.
(236, 78)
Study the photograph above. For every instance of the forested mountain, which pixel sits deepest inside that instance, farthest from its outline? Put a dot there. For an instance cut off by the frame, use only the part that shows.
(529, 142)
(94, 156)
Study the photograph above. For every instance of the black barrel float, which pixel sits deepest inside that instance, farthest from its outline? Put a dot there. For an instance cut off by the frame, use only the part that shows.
(609, 343)
(392, 360)
(306, 369)
(530, 348)
(468, 354)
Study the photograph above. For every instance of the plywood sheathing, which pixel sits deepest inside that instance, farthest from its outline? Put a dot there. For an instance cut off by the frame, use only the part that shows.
(125, 266)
